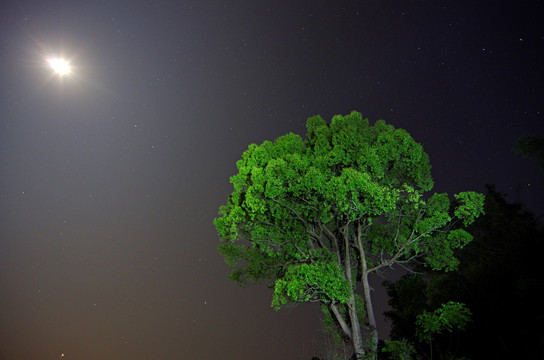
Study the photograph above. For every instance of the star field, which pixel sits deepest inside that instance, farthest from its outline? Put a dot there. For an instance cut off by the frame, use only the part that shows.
(110, 177)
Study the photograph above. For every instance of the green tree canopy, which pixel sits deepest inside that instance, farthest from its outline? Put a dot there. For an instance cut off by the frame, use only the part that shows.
(313, 217)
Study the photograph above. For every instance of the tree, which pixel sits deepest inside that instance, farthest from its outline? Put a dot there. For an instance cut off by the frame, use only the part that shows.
(314, 218)
(452, 315)
(498, 279)
(532, 147)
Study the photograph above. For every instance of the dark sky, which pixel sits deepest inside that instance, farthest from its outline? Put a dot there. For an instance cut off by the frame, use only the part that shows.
(110, 177)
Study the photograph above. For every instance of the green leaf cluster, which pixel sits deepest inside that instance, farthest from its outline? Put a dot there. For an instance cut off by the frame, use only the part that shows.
(311, 282)
(399, 349)
(449, 316)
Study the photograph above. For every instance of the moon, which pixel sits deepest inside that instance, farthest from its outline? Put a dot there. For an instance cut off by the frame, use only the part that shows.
(60, 66)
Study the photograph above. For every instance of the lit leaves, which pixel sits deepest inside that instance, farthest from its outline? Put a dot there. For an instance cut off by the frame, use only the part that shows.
(321, 281)
(440, 253)
(355, 195)
(292, 195)
(471, 205)
(436, 214)
(446, 318)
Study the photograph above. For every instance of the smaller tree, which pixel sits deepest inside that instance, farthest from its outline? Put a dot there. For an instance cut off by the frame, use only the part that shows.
(452, 315)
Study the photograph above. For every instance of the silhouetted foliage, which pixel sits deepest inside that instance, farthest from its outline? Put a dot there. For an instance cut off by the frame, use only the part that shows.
(499, 279)
(532, 147)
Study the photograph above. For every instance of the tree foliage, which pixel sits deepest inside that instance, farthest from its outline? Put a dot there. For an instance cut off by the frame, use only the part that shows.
(313, 217)
(451, 315)
(399, 349)
(532, 147)
(498, 278)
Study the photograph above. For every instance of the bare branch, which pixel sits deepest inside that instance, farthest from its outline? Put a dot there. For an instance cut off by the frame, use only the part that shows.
(340, 320)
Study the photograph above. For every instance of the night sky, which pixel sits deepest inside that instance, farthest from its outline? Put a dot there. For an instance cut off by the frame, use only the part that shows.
(110, 177)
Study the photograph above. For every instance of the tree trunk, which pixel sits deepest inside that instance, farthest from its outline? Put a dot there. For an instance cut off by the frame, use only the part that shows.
(366, 290)
(356, 336)
(370, 311)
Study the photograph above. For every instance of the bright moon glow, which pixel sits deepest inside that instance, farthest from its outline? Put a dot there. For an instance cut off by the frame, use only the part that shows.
(59, 66)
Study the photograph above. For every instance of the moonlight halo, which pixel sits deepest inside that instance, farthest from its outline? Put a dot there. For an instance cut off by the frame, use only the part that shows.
(59, 66)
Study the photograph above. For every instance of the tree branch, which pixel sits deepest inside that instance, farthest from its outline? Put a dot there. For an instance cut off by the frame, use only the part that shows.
(340, 320)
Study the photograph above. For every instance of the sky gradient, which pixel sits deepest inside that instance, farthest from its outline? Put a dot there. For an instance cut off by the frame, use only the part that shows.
(110, 178)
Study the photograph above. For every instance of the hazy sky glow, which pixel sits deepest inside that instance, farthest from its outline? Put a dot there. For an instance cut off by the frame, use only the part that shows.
(110, 178)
